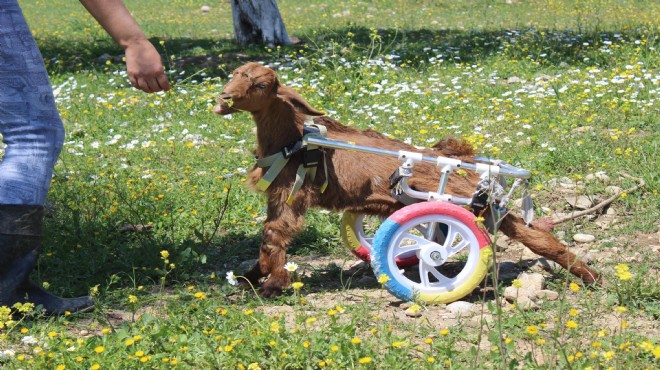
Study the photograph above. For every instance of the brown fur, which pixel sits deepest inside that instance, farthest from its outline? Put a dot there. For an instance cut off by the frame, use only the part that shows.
(358, 182)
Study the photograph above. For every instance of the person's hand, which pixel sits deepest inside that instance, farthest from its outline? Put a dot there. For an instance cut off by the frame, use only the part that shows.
(144, 67)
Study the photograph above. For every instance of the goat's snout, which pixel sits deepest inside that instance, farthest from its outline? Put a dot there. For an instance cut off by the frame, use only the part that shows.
(224, 104)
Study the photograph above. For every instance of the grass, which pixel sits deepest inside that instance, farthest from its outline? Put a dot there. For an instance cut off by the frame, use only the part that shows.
(563, 88)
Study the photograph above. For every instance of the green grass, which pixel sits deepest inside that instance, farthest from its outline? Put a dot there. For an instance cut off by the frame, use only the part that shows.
(563, 88)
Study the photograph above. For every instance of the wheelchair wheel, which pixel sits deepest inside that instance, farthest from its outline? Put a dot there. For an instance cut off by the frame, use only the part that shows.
(357, 232)
(453, 252)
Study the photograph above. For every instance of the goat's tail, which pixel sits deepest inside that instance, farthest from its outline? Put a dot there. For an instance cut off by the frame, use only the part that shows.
(453, 147)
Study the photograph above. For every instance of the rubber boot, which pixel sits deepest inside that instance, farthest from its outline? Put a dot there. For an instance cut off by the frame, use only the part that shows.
(20, 239)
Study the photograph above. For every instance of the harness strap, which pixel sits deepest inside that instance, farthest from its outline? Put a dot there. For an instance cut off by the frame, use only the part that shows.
(312, 156)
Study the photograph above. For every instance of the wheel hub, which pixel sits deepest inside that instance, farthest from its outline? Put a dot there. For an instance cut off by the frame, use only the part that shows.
(433, 254)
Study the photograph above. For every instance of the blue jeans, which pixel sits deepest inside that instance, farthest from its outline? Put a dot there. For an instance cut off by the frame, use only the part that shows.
(29, 121)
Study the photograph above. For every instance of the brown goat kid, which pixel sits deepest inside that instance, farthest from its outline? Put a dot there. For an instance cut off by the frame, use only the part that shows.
(357, 182)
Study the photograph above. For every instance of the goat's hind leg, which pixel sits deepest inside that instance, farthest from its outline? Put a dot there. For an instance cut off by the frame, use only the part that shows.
(547, 245)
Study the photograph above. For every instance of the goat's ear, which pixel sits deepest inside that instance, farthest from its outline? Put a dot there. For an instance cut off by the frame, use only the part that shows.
(290, 96)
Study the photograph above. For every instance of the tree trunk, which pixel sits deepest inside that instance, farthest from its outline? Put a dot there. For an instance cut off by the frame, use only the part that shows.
(258, 22)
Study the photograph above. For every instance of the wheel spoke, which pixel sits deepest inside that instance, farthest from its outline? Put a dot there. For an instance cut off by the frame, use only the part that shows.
(425, 269)
(418, 243)
(458, 247)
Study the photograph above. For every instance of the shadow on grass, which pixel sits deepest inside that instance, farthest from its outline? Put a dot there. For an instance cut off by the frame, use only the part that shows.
(414, 48)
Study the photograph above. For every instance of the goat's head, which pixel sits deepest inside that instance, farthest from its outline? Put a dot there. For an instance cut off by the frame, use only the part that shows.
(255, 88)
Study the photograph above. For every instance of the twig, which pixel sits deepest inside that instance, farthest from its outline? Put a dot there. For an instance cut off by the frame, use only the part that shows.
(604, 203)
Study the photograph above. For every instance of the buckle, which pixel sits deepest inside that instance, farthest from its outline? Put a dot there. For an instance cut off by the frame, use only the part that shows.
(311, 158)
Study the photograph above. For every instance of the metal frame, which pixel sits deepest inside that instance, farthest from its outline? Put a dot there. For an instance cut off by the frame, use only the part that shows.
(485, 167)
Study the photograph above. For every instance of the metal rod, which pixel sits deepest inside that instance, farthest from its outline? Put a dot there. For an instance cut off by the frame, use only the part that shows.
(505, 168)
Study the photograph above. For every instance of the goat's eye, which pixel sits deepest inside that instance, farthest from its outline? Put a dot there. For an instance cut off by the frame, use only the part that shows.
(260, 86)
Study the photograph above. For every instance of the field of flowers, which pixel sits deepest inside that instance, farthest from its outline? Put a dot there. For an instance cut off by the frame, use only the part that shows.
(149, 211)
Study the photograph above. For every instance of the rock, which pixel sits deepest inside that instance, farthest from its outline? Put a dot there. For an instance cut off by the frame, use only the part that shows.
(530, 284)
(461, 307)
(600, 175)
(526, 304)
(605, 222)
(579, 202)
(103, 58)
(479, 321)
(502, 242)
(613, 189)
(584, 238)
(205, 9)
(245, 266)
(544, 264)
(413, 311)
(532, 281)
(550, 295)
(513, 79)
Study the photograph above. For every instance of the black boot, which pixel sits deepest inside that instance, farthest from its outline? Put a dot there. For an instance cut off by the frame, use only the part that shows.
(20, 238)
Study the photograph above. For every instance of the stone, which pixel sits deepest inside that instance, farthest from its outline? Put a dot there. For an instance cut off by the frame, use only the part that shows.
(532, 281)
(579, 202)
(613, 189)
(584, 238)
(413, 311)
(600, 175)
(479, 321)
(544, 264)
(526, 304)
(550, 295)
(205, 9)
(461, 307)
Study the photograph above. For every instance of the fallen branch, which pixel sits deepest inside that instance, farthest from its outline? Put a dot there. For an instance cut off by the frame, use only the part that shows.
(640, 183)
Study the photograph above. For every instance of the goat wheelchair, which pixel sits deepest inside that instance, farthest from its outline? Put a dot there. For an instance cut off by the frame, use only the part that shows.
(436, 249)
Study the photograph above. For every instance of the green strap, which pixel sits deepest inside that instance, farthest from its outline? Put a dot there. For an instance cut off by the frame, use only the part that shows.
(277, 161)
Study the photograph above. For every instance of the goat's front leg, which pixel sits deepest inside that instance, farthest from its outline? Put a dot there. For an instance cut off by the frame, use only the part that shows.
(282, 224)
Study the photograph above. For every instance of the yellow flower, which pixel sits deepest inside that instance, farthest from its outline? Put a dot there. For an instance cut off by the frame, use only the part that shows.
(479, 220)
(364, 360)
(254, 366)
(164, 254)
(609, 355)
(60, 367)
(200, 295)
(297, 285)
(248, 312)
(99, 349)
(623, 275)
(532, 329)
(444, 332)
(571, 324)
(95, 367)
(573, 312)
(356, 340)
(334, 348)
(383, 278)
(129, 342)
(574, 287)
(516, 283)
(398, 344)
(620, 309)
(139, 353)
(431, 359)
(52, 334)
(132, 299)
(656, 352)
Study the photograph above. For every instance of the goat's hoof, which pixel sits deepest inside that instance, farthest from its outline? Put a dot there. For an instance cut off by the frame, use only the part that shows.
(270, 292)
